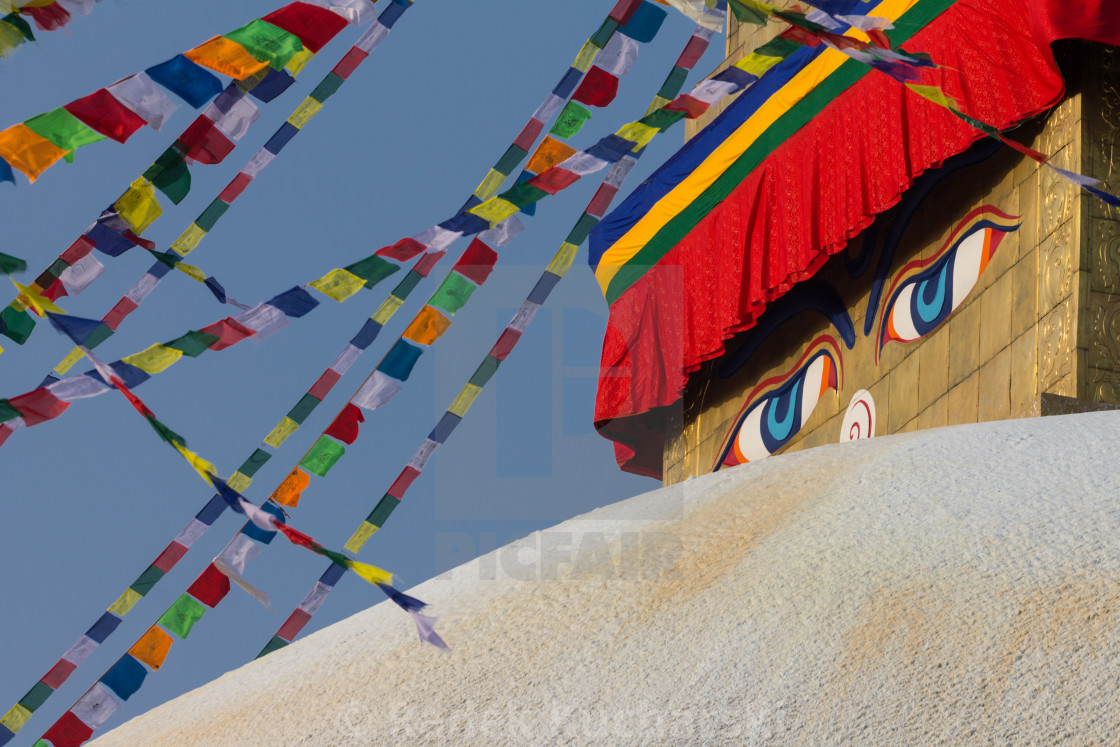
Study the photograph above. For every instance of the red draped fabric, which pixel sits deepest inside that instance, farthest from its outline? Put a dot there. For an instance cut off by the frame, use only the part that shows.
(822, 187)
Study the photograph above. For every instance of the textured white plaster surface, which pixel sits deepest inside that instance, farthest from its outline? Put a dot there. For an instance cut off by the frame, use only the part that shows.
(955, 586)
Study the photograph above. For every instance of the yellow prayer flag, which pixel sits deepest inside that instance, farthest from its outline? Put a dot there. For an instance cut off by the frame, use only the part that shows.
(155, 359)
(10, 37)
(495, 210)
(355, 543)
(125, 602)
(201, 466)
(490, 185)
(585, 57)
(562, 262)
(308, 109)
(639, 133)
(189, 239)
(339, 284)
(139, 206)
(371, 573)
(68, 362)
(658, 102)
(386, 310)
(465, 399)
(280, 433)
(15, 719)
(934, 94)
(298, 61)
(191, 271)
(39, 304)
(239, 481)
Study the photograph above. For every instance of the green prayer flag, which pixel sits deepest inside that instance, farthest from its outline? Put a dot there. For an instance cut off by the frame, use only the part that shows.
(16, 325)
(149, 578)
(672, 85)
(7, 412)
(194, 343)
(182, 615)
(570, 121)
(63, 129)
(323, 455)
(485, 371)
(453, 293)
(166, 433)
(20, 25)
(267, 43)
(211, 214)
(10, 264)
(36, 696)
(747, 14)
(373, 269)
(170, 175)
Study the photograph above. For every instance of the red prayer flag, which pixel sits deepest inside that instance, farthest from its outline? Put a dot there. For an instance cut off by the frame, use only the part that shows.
(554, 180)
(597, 89)
(68, 731)
(345, 426)
(210, 587)
(296, 536)
(102, 112)
(38, 406)
(228, 332)
(48, 17)
(477, 262)
(313, 25)
(691, 107)
(404, 479)
(505, 343)
(293, 625)
(427, 263)
(58, 674)
(402, 251)
(203, 142)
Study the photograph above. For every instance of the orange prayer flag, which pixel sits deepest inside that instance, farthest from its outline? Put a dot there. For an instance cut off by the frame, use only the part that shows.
(289, 491)
(152, 648)
(27, 151)
(549, 153)
(227, 57)
(428, 326)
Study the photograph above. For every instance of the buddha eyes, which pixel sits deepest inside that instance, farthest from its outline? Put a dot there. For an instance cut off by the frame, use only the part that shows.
(926, 299)
(773, 419)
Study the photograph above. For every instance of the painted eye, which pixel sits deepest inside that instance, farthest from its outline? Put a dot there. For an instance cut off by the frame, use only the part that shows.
(776, 417)
(926, 299)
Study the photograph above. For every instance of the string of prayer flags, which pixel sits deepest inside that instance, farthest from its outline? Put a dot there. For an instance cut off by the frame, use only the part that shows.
(237, 554)
(622, 12)
(246, 545)
(125, 678)
(1089, 184)
(376, 391)
(205, 222)
(296, 31)
(207, 140)
(137, 368)
(820, 27)
(430, 323)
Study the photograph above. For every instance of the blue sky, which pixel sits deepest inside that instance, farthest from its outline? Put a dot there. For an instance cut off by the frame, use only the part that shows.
(91, 498)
